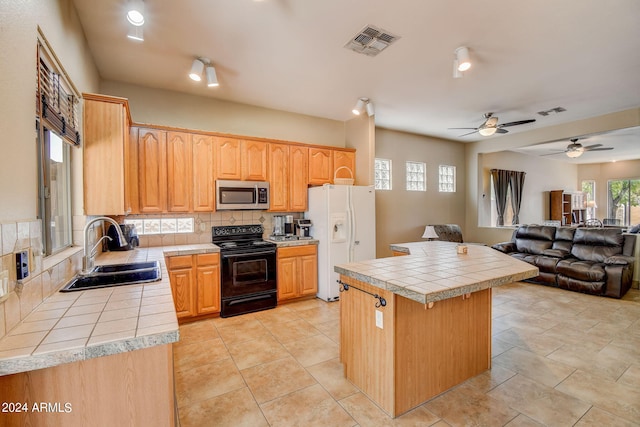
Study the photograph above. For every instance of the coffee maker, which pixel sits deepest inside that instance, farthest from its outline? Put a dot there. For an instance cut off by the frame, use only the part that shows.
(288, 225)
(303, 229)
(278, 226)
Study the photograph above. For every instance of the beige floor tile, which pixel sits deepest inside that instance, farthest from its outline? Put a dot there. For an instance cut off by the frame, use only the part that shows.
(197, 353)
(207, 381)
(588, 357)
(321, 314)
(311, 406)
(313, 350)
(331, 329)
(240, 332)
(331, 375)
(234, 409)
(618, 399)
(250, 353)
(538, 368)
(490, 379)
(275, 379)
(293, 330)
(539, 402)
(198, 331)
(523, 421)
(596, 417)
(368, 414)
(631, 376)
(527, 340)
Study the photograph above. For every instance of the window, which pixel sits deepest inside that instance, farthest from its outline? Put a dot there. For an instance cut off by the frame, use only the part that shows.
(589, 190)
(162, 225)
(382, 170)
(447, 179)
(623, 205)
(416, 176)
(56, 124)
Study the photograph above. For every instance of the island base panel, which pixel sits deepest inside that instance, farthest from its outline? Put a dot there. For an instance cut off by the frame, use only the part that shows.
(420, 352)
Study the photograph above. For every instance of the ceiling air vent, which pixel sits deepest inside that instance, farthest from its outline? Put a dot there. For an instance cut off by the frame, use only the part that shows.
(371, 41)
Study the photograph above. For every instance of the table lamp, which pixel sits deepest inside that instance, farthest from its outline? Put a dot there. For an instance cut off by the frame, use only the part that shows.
(430, 233)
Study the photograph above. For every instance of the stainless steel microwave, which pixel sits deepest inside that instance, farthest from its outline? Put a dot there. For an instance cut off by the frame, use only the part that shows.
(242, 195)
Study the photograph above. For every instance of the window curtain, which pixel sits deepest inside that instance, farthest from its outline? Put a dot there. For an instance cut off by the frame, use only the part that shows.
(516, 182)
(500, 187)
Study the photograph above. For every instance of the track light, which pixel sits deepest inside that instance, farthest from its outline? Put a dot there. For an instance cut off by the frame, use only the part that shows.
(462, 57)
(135, 33)
(457, 74)
(212, 78)
(361, 105)
(196, 70)
(135, 12)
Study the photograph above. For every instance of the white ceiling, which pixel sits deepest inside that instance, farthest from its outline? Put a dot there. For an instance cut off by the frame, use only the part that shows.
(528, 56)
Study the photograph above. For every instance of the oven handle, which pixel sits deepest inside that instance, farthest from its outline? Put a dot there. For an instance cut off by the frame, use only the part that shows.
(248, 254)
(249, 299)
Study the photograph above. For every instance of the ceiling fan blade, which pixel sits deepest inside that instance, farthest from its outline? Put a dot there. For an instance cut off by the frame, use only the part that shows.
(598, 149)
(519, 122)
(499, 130)
(591, 147)
(468, 133)
(464, 128)
(552, 154)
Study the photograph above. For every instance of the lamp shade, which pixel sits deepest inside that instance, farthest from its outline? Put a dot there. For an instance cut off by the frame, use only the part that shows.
(212, 78)
(196, 70)
(575, 153)
(487, 131)
(429, 233)
(462, 55)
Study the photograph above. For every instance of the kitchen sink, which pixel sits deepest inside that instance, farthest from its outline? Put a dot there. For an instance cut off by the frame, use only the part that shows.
(105, 276)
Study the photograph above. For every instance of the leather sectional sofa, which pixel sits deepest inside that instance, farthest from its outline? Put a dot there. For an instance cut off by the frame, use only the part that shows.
(597, 261)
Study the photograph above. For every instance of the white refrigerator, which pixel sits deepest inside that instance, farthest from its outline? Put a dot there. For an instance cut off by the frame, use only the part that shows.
(344, 223)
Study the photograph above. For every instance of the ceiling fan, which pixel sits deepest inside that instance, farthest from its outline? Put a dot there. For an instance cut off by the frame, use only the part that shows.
(491, 126)
(575, 149)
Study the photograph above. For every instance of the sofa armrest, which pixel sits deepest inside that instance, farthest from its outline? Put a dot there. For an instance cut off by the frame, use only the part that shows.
(506, 247)
(556, 253)
(619, 260)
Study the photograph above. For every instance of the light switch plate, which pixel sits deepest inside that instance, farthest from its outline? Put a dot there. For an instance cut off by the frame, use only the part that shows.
(379, 319)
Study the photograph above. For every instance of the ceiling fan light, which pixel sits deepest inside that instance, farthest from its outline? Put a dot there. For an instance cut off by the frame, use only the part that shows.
(212, 78)
(462, 57)
(487, 131)
(196, 70)
(135, 12)
(575, 153)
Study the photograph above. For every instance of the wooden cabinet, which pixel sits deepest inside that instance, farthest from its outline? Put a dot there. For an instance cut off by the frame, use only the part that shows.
(279, 177)
(228, 158)
(566, 207)
(152, 172)
(203, 185)
(253, 155)
(195, 284)
(298, 178)
(320, 166)
(106, 156)
(297, 272)
(343, 160)
(179, 172)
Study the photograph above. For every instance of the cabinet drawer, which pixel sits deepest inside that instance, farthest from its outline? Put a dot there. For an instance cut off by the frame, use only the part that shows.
(182, 261)
(208, 259)
(297, 251)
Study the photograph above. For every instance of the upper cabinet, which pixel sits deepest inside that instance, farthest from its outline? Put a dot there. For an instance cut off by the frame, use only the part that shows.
(298, 178)
(279, 177)
(320, 166)
(106, 160)
(228, 158)
(152, 170)
(254, 160)
(179, 172)
(203, 185)
(344, 164)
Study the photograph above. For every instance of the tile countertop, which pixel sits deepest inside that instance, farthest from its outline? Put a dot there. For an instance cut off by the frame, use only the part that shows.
(434, 271)
(289, 243)
(74, 326)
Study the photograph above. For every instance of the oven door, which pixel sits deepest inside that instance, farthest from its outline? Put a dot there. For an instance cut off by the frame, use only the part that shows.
(248, 273)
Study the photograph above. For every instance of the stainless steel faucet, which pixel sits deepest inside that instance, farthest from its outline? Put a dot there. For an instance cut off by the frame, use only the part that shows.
(89, 253)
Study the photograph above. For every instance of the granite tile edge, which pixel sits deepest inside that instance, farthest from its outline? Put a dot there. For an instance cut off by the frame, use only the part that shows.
(130, 344)
(40, 361)
(171, 251)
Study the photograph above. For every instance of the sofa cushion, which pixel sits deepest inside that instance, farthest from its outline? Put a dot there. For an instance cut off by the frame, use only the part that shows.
(593, 288)
(531, 259)
(564, 238)
(547, 264)
(597, 244)
(534, 239)
(582, 270)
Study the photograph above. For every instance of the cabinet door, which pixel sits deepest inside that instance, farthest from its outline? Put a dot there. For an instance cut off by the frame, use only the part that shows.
(287, 278)
(208, 278)
(344, 159)
(320, 166)
(179, 172)
(308, 284)
(182, 285)
(105, 130)
(203, 188)
(227, 158)
(254, 160)
(152, 177)
(298, 178)
(279, 177)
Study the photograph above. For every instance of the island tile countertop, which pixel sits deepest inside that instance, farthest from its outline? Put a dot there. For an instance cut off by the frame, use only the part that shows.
(74, 326)
(434, 271)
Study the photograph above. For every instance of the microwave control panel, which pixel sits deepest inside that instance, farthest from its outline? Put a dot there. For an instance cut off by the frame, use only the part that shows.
(262, 195)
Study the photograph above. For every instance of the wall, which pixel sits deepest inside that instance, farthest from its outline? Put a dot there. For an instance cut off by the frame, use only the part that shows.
(361, 135)
(474, 173)
(601, 173)
(543, 175)
(19, 24)
(168, 108)
(401, 215)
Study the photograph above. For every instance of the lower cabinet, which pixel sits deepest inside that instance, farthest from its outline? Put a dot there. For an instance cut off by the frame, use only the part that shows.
(297, 272)
(195, 284)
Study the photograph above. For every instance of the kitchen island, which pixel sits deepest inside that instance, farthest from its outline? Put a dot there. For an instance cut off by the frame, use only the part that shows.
(413, 326)
(96, 357)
